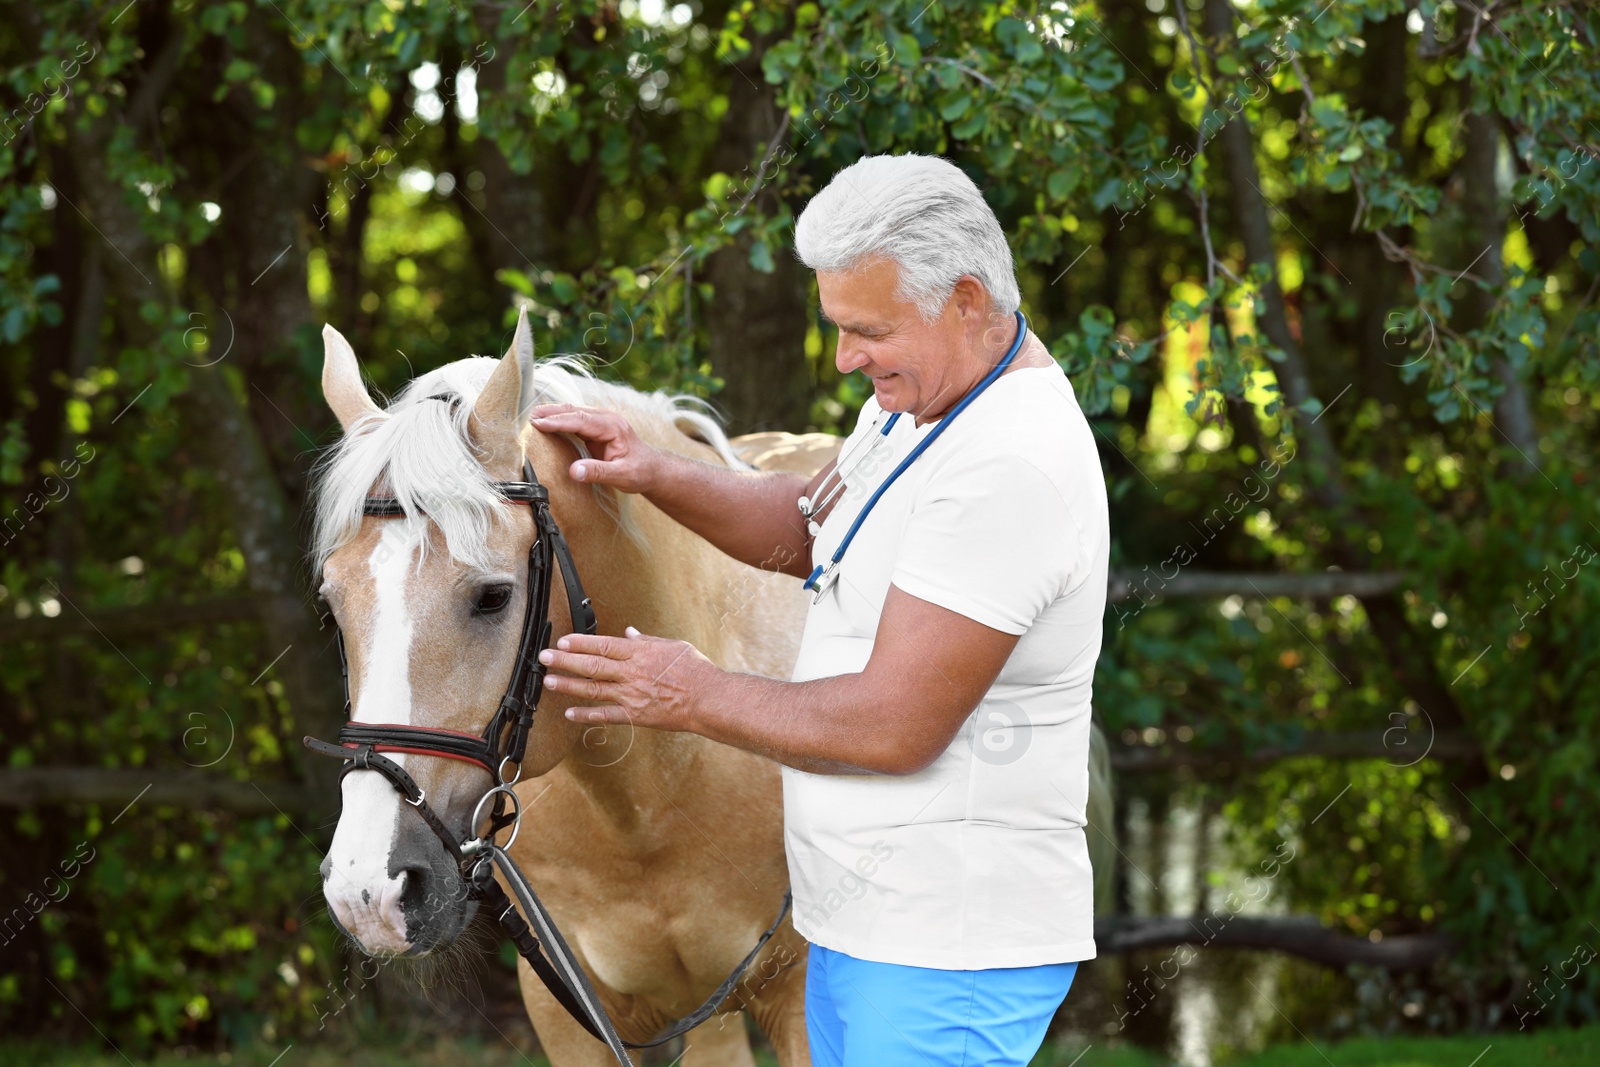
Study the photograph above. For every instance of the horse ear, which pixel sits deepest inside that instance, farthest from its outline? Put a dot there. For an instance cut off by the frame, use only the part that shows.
(504, 405)
(342, 386)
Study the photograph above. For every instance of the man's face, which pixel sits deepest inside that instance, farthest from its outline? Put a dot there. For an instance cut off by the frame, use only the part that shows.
(913, 364)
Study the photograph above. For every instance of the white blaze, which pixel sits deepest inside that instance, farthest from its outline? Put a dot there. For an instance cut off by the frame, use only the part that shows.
(358, 888)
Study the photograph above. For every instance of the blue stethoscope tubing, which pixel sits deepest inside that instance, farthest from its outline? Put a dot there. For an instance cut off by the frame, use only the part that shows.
(821, 571)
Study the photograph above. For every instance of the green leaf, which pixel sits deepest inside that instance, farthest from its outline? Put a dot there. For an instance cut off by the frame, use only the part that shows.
(761, 257)
(955, 106)
(969, 127)
(1061, 183)
(15, 323)
(214, 18)
(1097, 321)
(564, 287)
(1103, 81)
(515, 279)
(1328, 111)
(780, 61)
(1087, 112)
(1106, 194)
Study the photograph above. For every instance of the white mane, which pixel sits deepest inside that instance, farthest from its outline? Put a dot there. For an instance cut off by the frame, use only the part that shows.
(418, 451)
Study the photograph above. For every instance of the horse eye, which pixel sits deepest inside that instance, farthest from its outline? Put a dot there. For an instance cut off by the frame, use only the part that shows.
(493, 598)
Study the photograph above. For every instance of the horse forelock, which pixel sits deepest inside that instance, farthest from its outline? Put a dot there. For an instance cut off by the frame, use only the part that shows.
(418, 450)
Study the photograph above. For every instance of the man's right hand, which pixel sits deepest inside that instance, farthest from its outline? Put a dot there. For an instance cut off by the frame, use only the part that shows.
(701, 496)
(618, 457)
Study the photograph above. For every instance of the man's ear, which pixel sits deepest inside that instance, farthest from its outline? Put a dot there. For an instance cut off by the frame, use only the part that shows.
(971, 300)
(503, 407)
(342, 386)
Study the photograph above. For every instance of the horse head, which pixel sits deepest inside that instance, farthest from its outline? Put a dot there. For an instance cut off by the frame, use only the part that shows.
(430, 604)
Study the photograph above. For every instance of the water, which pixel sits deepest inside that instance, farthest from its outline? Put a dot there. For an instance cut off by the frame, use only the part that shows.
(1198, 1005)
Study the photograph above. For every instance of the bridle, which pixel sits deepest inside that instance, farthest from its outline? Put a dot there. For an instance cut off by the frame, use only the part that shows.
(503, 743)
(504, 740)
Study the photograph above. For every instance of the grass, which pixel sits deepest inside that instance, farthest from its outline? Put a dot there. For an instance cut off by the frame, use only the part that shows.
(1551, 1048)
(441, 1053)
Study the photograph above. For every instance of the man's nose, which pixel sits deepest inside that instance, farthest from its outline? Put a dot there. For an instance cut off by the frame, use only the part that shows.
(850, 356)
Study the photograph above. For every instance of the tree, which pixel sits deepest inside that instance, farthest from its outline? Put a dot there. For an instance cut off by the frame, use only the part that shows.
(1323, 274)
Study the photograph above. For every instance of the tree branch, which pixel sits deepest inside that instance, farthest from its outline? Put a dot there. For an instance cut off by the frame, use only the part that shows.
(151, 620)
(1313, 586)
(138, 619)
(198, 790)
(1297, 935)
(1400, 750)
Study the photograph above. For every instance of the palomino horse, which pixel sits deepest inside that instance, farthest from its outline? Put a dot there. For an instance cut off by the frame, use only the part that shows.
(659, 854)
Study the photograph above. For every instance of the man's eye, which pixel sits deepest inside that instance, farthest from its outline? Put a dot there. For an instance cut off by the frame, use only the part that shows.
(493, 598)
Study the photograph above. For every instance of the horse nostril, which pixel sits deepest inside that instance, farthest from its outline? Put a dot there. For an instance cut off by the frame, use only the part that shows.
(391, 903)
(411, 906)
(421, 902)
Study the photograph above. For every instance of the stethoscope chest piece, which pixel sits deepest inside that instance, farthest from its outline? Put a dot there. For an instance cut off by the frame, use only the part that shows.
(822, 579)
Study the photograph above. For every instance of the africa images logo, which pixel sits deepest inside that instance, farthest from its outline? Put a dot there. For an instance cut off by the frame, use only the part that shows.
(1002, 733)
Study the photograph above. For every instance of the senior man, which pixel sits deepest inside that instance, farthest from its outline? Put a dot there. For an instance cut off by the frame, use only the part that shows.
(957, 554)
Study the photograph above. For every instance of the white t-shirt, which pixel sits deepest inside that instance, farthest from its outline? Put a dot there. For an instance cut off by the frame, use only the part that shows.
(979, 860)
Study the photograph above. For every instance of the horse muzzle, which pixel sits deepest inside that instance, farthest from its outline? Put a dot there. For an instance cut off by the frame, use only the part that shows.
(415, 903)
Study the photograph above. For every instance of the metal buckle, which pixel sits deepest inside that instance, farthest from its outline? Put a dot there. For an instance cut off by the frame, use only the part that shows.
(422, 795)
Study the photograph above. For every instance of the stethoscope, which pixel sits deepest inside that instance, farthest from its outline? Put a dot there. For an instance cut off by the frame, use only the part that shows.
(823, 576)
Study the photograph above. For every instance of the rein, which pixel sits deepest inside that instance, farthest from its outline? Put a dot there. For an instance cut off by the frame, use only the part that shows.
(502, 743)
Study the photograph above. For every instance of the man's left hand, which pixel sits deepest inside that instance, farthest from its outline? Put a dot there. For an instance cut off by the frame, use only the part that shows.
(635, 679)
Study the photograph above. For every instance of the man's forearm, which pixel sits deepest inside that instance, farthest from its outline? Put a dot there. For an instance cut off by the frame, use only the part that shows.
(831, 725)
(929, 668)
(750, 515)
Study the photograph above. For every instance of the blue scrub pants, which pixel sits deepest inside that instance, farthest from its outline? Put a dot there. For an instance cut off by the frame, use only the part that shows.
(864, 1014)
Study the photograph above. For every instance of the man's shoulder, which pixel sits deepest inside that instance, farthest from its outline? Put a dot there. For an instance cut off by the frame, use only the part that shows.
(1033, 422)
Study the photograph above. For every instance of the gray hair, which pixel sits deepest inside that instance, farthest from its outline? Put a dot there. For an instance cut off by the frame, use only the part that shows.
(921, 211)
